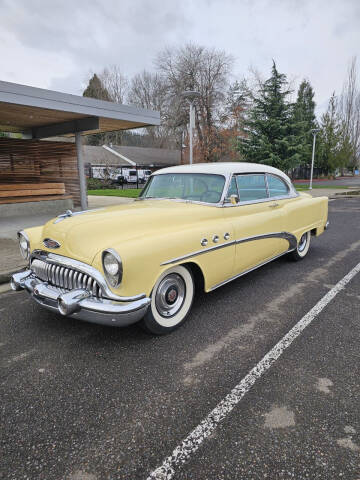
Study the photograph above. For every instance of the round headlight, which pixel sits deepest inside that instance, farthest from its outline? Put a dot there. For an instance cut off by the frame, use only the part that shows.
(112, 266)
(24, 245)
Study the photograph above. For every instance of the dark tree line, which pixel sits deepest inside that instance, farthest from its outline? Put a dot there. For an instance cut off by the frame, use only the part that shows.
(250, 119)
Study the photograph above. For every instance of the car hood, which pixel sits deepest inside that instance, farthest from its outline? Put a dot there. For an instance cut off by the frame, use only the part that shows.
(83, 235)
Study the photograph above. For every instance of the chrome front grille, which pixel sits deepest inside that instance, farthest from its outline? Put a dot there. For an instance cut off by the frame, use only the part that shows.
(64, 277)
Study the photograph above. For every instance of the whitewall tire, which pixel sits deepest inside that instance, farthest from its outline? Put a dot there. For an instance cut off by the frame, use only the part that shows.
(171, 301)
(302, 247)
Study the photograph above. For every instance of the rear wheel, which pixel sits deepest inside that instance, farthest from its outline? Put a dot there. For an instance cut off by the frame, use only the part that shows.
(171, 301)
(302, 247)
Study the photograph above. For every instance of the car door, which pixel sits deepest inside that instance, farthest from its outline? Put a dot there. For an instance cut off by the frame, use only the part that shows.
(280, 196)
(257, 221)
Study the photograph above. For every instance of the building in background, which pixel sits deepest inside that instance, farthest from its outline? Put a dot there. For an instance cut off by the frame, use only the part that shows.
(36, 174)
(134, 164)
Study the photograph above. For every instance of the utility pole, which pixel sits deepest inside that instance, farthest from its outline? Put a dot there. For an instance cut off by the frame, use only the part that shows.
(314, 131)
(190, 96)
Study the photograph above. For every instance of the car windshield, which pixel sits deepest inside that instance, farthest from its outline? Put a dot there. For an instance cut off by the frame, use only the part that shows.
(200, 187)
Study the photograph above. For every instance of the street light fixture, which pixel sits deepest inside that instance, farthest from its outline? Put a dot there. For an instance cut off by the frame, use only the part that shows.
(190, 96)
(314, 131)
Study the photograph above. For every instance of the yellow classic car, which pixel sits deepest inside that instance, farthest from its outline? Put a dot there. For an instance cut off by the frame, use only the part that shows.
(193, 227)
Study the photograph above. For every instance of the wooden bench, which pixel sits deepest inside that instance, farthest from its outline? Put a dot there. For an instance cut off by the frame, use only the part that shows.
(31, 192)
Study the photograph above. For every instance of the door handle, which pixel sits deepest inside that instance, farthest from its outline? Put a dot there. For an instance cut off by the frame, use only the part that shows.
(274, 205)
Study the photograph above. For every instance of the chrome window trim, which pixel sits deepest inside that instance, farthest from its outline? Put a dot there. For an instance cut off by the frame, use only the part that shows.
(223, 200)
(180, 200)
(184, 200)
(81, 267)
(247, 174)
(292, 193)
(263, 200)
(290, 188)
(284, 235)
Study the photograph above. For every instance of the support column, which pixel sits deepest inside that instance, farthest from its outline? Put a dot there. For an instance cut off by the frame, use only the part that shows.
(81, 170)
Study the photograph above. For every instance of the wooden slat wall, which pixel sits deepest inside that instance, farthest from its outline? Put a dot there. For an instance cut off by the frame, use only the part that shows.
(35, 161)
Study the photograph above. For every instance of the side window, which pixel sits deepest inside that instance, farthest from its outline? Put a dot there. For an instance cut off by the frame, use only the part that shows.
(277, 187)
(232, 188)
(251, 187)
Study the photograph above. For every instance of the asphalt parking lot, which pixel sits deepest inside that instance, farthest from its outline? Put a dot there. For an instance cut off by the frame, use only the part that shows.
(84, 402)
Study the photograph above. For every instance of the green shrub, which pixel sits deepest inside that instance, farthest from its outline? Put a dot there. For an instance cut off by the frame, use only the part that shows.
(99, 184)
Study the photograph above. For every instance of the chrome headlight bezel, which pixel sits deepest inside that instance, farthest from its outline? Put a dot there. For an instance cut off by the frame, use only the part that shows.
(24, 244)
(113, 280)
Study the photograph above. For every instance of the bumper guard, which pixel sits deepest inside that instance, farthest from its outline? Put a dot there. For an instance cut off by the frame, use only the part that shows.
(80, 303)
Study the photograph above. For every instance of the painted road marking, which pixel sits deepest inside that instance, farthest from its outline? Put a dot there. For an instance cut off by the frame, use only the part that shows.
(21, 356)
(192, 442)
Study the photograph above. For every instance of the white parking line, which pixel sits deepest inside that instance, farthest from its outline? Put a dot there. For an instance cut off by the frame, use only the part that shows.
(192, 442)
(21, 356)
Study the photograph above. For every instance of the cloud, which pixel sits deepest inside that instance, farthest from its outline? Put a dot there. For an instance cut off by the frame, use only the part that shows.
(57, 44)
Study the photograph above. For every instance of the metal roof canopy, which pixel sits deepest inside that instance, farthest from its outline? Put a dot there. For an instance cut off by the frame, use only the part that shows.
(40, 113)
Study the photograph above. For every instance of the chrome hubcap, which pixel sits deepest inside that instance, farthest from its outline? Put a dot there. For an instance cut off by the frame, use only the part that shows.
(170, 295)
(302, 243)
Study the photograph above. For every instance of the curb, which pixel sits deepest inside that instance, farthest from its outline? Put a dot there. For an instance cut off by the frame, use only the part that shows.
(6, 276)
(340, 196)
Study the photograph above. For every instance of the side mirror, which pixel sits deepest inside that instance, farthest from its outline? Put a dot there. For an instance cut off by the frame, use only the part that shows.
(234, 199)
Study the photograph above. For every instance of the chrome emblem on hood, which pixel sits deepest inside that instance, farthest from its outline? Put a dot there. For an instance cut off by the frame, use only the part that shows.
(50, 243)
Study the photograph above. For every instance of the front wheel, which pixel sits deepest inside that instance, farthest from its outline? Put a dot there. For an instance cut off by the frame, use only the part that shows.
(302, 247)
(171, 301)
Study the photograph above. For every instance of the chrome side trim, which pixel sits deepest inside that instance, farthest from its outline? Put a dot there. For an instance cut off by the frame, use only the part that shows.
(59, 261)
(198, 252)
(284, 235)
(249, 270)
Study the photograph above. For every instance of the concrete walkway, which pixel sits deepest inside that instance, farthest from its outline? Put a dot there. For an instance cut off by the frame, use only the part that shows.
(328, 192)
(10, 258)
(97, 201)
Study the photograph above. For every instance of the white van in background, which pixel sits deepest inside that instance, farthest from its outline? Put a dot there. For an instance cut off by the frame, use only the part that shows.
(129, 175)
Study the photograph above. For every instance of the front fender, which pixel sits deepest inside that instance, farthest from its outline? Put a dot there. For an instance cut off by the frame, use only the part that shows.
(143, 258)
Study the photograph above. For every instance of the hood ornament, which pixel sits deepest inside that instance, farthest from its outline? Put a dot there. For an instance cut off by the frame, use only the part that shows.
(67, 214)
(50, 243)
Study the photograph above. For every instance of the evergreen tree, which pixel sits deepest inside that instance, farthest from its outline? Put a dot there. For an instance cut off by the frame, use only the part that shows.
(270, 133)
(95, 89)
(329, 138)
(335, 147)
(304, 120)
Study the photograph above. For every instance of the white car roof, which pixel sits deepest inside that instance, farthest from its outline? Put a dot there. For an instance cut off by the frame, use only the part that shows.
(224, 168)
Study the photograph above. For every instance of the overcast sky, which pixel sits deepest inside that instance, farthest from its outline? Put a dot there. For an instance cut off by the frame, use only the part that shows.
(56, 44)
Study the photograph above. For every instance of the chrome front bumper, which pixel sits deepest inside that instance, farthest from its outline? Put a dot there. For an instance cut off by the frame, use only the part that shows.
(80, 303)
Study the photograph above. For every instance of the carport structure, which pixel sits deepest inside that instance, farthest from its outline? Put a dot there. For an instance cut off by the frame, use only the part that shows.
(37, 114)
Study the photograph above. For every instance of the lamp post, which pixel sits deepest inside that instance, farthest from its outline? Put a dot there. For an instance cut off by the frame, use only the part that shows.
(314, 131)
(190, 96)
